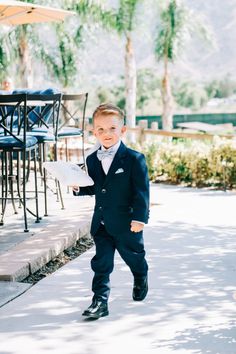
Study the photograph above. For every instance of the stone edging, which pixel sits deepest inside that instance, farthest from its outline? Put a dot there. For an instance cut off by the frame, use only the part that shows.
(32, 254)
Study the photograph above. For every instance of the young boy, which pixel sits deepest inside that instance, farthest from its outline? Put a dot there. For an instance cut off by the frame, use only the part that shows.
(121, 188)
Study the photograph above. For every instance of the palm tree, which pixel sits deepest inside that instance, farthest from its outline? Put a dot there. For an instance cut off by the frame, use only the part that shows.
(123, 21)
(16, 52)
(177, 25)
(3, 61)
(61, 62)
(21, 43)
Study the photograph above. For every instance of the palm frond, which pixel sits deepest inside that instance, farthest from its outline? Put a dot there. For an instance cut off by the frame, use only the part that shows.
(178, 23)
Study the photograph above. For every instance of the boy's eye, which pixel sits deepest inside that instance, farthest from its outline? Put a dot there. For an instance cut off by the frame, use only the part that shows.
(102, 131)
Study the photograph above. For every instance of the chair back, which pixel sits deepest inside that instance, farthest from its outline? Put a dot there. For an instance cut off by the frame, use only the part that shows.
(40, 116)
(73, 107)
(43, 111)
(13, 117)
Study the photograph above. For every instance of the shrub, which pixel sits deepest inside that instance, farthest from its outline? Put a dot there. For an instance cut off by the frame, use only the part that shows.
(222, 162)
(191, 95)
(194, 163)
(173, 163)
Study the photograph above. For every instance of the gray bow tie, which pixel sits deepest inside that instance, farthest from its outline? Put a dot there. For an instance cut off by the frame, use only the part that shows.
(102, 154)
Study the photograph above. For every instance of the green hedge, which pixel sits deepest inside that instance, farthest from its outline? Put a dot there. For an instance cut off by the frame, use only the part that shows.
(193, 163)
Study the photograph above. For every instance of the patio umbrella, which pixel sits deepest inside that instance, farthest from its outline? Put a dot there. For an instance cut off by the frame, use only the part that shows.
(18, 13)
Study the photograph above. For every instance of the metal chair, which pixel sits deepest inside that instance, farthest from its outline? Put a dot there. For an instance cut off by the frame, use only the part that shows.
(72, 119)
(16, 145)
(43, 117)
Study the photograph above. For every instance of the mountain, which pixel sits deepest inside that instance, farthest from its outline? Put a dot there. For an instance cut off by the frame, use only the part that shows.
(219, 61)
(102, 62)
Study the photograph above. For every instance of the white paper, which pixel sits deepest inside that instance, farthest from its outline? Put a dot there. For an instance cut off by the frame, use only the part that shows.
(68, 173)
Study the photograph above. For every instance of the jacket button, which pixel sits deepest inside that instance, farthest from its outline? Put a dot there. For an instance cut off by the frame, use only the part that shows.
(104, 190)
(100, 208)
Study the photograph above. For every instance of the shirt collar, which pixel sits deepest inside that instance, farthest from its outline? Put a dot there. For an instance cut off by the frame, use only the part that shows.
(114, 148)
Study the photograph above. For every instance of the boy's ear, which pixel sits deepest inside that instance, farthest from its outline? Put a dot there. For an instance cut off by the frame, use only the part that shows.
(123, 129)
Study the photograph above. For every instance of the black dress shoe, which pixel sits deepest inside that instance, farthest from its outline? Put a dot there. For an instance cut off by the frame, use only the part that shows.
(140, 288)
(96, 310)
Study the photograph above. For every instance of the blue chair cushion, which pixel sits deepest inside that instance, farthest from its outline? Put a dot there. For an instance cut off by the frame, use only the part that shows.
(69, 132)
(42, 136)
(41, 129)
(11, 142)
(4, 92)
(48, 91)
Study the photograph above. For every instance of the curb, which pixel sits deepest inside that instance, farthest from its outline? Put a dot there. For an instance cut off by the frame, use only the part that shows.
(32, 254)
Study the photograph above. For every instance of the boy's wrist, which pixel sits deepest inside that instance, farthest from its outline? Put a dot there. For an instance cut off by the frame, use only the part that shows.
(140, 222)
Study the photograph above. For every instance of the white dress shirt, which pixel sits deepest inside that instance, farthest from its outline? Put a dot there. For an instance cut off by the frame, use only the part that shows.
(107, 161)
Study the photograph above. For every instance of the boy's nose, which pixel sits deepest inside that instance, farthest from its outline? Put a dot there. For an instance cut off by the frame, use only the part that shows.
(106, 131)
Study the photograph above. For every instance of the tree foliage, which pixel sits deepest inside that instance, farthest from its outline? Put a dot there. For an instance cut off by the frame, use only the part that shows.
(177, 25)
(148, 87)
(221, 88)
(60, 60)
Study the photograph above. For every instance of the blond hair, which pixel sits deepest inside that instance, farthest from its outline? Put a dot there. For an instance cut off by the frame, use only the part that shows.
(108, 109)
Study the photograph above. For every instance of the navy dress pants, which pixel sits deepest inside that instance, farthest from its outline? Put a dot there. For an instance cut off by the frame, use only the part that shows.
(131, 249)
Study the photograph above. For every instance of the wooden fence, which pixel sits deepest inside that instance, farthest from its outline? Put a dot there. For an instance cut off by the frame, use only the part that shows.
(141, 132)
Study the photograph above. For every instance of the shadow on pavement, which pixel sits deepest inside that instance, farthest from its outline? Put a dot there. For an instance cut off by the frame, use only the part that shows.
(189, 308)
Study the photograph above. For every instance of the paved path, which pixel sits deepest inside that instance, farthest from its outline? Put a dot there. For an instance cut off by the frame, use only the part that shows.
(28, 252)
(191, 305)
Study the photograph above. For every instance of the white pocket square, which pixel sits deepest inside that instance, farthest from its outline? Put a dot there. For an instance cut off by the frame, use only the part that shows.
(120, 170)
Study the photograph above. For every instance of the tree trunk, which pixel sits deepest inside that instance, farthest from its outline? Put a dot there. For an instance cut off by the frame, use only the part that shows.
(130, 85)
(167, 100)
(25, 63)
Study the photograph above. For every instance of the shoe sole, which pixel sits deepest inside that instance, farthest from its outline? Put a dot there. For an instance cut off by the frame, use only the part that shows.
(90, 315)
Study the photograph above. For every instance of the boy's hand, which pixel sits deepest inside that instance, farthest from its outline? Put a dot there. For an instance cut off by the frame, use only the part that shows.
(75, 188)
(136, 226)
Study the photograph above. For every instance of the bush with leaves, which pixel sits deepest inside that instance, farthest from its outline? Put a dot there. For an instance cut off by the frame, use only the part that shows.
(221, 88)
(222, 162)
(197, 156)
(191, 95)
(193, 163)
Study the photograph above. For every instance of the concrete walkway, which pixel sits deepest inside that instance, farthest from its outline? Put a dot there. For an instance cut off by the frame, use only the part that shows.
(191, 305)
(58, 231)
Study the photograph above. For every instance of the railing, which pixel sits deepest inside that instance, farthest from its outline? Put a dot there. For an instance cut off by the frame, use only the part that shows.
(141, 131)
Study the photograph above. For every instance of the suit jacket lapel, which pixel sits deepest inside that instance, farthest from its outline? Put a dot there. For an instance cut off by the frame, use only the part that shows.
(99, 171)
(117, 162)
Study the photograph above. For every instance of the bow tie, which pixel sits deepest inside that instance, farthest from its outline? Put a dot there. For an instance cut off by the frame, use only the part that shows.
(102, 154)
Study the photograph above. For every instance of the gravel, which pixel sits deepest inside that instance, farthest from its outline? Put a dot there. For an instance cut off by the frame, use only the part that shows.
(82, 245)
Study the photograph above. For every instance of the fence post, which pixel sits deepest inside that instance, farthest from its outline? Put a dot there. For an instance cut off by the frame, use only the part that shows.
(143, 124)
(154, 125)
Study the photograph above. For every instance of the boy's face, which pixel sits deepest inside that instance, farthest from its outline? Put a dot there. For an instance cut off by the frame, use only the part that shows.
(108, 129)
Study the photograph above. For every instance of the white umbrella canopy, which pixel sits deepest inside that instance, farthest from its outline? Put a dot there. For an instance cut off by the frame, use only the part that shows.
(18, 13)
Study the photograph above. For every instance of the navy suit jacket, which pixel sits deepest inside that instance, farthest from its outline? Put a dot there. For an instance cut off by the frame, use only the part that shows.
(120, 196)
